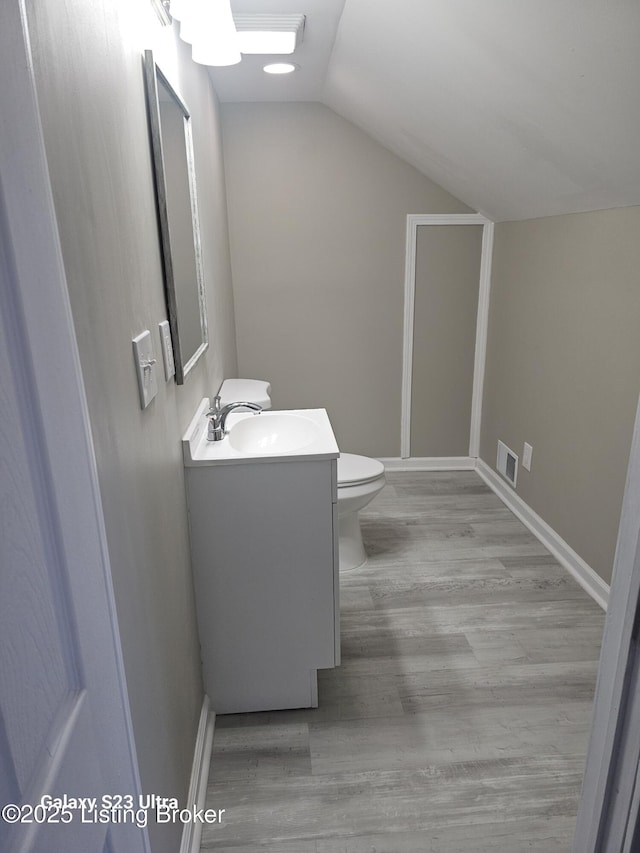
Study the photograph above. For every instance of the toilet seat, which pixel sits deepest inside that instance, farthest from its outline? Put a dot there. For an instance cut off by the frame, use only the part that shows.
(354, 470)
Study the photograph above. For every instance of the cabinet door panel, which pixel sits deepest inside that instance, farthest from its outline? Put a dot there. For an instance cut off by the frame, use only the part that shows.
(263, 555)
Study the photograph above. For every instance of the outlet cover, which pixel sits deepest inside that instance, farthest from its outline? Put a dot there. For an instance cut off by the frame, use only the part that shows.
(145, 363)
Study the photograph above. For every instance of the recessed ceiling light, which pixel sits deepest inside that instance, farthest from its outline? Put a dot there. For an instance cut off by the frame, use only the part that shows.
(280, 68)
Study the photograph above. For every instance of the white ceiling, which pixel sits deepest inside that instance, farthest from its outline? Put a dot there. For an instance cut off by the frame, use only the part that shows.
(520, 109)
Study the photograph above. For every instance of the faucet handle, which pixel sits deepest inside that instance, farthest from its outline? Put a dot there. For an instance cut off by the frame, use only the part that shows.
(215, 408)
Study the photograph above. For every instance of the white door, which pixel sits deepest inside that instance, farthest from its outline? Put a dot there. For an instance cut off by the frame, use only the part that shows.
(609, 813)
(64, 718)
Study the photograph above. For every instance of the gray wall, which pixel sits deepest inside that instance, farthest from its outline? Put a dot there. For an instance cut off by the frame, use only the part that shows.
(88, 60)
(563, 368)
(317, 215)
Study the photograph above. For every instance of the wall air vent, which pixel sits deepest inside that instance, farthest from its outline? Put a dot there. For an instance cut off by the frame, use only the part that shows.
(507, 464)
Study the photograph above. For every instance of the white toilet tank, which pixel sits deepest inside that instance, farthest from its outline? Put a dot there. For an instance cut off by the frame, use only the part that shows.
(247, 391)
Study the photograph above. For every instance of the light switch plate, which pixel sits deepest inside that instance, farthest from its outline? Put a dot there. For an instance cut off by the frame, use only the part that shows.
(526, 456)
(167, 350)
(145, 367)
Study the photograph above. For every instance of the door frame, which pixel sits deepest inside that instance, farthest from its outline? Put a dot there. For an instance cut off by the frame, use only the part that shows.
(608, 819)
(414, 221)
(52, 390)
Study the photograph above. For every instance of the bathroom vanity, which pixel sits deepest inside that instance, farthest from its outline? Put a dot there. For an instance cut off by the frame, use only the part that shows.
(264, 531)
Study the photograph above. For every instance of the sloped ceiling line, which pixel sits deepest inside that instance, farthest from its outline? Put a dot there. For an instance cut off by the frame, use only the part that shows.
(519, 109)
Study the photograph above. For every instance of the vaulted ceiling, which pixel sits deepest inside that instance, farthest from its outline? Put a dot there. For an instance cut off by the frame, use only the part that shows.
(519, 108)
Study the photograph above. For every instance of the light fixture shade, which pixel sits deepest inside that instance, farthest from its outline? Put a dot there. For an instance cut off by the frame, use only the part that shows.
(186, 12)
(179, 9)
(208, 26)
(188, 27)
(215, 41)
(207, 54)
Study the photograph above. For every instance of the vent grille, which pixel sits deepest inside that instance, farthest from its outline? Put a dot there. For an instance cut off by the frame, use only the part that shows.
(507, 464)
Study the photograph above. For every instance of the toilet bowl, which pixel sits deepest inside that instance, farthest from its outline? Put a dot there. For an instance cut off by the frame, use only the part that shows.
(359, 481)
(359, 477)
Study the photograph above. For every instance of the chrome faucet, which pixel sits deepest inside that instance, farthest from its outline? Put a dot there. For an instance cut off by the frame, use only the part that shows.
(218, 417)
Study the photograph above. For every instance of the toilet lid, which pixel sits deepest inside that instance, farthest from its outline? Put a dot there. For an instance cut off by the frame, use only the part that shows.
(357, 469)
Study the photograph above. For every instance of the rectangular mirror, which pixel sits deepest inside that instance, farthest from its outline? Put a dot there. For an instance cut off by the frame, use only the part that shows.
(178, 222)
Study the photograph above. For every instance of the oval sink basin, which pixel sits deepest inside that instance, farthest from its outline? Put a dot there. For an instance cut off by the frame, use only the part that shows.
(272, 433)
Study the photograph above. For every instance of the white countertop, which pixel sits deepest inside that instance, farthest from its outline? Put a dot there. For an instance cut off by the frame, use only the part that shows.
(197, 450)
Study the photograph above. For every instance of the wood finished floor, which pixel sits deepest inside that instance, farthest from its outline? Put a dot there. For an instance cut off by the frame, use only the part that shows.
(458, 720)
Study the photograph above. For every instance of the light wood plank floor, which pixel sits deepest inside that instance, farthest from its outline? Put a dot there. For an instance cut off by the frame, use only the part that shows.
(458, 721)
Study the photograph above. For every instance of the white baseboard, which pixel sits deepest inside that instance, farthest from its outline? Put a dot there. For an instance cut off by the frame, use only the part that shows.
(429, 463)
(192, 831)
(588, 579)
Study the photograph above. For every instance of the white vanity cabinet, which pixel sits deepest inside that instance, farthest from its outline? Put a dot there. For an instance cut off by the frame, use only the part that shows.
(264, 534)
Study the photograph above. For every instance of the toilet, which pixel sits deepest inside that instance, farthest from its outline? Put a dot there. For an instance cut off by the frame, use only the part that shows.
(360, 478)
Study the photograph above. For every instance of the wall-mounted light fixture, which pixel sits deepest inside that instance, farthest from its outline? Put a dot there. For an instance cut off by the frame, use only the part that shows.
(162, 10)
(207, 25)
(217, 37)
